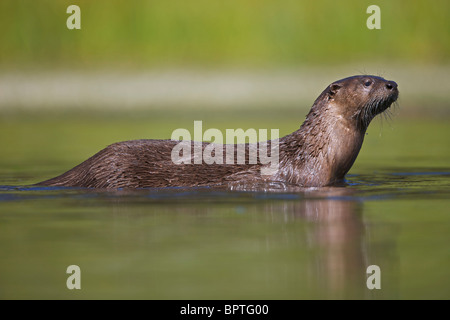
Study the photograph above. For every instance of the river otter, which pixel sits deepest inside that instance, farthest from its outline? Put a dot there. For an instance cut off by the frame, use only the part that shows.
(319, 154)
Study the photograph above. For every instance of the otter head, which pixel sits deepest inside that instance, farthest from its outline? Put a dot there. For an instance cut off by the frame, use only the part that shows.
(360, 98)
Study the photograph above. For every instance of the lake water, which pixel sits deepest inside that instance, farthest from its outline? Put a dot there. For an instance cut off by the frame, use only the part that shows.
(205, 243)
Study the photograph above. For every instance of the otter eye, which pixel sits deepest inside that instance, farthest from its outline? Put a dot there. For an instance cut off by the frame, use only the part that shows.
(367, 83)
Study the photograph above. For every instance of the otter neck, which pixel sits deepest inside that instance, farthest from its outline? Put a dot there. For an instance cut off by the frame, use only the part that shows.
(322, 151)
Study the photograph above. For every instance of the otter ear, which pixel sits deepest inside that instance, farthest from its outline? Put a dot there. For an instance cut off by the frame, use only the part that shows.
(334, 88)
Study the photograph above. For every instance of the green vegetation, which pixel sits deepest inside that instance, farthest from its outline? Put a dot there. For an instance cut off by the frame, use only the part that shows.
(206, 33)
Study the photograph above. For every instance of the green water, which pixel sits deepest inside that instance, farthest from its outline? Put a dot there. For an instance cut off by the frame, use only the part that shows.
(215, 244)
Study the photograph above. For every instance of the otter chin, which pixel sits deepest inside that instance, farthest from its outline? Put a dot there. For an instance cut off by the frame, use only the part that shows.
(318, 154)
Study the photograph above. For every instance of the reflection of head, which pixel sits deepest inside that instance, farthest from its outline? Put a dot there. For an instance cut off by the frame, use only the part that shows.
(335, 238)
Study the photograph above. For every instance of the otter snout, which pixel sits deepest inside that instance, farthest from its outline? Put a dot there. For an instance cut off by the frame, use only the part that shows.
(391, 85)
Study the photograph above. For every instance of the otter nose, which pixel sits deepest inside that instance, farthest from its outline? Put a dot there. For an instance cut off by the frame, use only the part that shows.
(391, 85)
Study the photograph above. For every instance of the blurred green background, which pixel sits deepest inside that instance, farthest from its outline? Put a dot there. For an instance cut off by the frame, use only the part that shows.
(249, 33)
(203, 54)
(141, 69)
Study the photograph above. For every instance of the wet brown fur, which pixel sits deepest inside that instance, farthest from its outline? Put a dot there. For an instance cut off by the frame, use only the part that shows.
(320, 153)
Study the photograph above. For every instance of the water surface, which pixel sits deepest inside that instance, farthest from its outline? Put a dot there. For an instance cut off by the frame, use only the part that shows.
(206, 243)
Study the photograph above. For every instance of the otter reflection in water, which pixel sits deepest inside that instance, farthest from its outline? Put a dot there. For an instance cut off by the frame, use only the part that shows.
(319, 154)
(314, 243)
